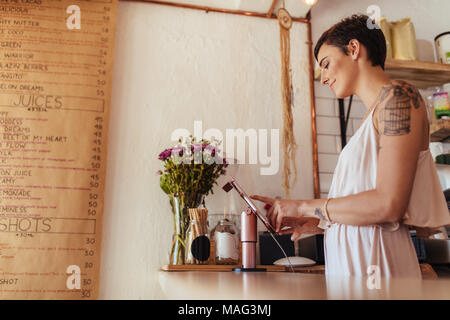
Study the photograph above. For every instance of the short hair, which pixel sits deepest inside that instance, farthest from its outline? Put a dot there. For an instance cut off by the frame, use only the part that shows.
(356, 27)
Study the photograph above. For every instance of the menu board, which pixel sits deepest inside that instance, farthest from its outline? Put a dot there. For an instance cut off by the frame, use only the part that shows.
(56, 60)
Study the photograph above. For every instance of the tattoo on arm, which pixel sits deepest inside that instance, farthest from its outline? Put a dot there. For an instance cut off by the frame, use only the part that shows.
(396, 113)
(318, 212)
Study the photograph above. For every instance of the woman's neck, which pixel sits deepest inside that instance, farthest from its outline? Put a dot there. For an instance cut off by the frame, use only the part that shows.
(369, 85)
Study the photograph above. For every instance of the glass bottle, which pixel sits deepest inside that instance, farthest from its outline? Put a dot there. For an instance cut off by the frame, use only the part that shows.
(197, 242)
(226, 238)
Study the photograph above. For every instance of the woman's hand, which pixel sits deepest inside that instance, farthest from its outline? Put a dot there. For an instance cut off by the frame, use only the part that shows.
(279, 210)
(286, 215)
(299, 226)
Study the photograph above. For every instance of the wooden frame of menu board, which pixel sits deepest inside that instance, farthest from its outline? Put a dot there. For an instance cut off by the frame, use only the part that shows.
(56, 60)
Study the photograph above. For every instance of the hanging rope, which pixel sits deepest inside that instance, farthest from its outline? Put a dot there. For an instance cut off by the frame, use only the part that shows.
(289, 144)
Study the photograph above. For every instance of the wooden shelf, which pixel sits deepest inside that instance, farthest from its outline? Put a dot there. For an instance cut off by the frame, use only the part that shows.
(439, 130)
(422, 74)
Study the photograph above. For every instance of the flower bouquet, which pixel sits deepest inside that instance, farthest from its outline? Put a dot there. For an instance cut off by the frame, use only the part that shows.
(191, 170)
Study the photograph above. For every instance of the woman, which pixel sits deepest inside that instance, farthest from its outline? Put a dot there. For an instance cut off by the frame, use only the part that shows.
(385, 179)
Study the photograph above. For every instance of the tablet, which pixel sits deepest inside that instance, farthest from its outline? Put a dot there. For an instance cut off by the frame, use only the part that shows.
(234, 184)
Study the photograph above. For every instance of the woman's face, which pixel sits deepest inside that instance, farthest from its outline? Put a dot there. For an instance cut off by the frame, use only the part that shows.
(338, 70)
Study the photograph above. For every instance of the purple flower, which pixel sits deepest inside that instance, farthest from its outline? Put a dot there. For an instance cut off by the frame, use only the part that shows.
(165, 154)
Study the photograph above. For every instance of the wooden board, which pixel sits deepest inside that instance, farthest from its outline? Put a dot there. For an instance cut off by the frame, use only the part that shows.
(56, 72)
(225, 268)
(426, 269)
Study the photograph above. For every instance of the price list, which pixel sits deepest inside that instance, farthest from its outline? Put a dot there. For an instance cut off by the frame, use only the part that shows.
(56, 60)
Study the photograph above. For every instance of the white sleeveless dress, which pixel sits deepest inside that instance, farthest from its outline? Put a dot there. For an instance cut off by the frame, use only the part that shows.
(351, 250)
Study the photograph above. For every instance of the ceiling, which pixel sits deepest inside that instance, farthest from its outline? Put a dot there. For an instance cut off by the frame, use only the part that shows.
(296, 8)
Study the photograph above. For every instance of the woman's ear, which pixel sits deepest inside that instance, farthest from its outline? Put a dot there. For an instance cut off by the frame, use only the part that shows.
(354, 48)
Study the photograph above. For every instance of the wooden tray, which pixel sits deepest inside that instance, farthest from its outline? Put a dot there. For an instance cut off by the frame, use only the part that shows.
(427, 270)
(218, 268)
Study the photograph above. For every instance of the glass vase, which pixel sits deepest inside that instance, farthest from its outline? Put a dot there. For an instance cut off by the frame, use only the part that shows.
(179, 204)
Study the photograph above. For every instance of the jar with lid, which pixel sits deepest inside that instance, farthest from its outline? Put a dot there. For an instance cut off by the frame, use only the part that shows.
(226, 238)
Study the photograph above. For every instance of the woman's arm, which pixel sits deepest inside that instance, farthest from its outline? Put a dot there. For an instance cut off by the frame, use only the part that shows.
(401, 125)
(364, 208)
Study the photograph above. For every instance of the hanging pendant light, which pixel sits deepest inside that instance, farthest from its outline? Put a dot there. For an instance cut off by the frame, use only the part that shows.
(310, 2)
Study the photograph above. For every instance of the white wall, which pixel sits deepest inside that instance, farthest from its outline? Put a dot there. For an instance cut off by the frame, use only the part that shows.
(174, 66)
(429, 17)
(296, 8)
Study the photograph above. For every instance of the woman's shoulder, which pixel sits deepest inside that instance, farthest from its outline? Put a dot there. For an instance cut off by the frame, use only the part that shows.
(399, 104)
(401, 94)
(402, 83)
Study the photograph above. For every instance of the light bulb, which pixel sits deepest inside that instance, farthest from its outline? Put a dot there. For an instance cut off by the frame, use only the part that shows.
(310, 2)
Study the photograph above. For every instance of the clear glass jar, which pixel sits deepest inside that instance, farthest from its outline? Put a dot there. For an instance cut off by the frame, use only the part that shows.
(226, 238)
(197, 243)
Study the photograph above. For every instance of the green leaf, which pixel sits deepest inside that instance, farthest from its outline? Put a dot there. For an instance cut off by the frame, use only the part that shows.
(164, 183)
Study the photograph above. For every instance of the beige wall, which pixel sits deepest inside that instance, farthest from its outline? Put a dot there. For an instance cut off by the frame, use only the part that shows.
(174, 66)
